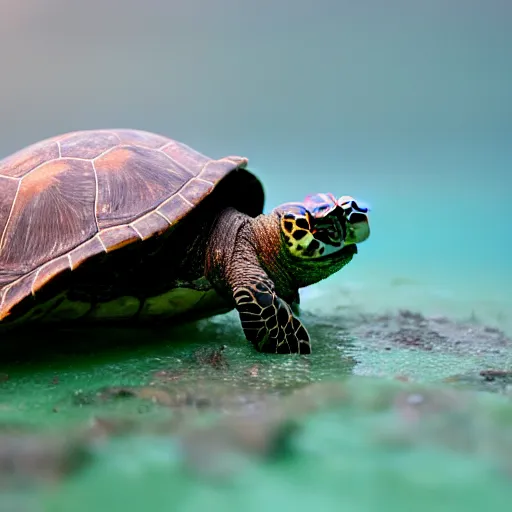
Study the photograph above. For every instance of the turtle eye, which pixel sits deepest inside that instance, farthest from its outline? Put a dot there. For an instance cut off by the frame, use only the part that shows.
(329, 230)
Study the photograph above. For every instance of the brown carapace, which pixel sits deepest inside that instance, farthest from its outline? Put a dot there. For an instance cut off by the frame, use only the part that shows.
(125, 226)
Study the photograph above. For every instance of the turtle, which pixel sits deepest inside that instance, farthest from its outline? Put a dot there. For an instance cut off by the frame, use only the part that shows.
(128, 227)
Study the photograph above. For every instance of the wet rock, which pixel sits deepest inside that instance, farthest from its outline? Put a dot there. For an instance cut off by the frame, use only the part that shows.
(402, 378)
(496, 381)
(32, 459)
(111, 393)
(100, 428)
(414, 406)
(215, 358)
(253, 371)
(491, 375)
(157, 396)
(413, 414)
(167, 376)
(114, 392)
(313, 397)
(81, 398)
(452, 419)
(408, 329)
(221, 450)
(201, 395)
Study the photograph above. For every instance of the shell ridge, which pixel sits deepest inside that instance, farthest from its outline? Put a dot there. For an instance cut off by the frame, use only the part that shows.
(96, 196)
(2, 239)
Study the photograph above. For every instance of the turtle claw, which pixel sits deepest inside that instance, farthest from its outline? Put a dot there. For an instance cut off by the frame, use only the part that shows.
(269, 323)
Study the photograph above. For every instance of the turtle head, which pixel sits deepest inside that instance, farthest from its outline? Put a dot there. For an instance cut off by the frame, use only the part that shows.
(323, 228)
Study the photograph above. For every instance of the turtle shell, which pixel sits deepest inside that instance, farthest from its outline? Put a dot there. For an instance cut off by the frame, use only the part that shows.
(71, 197)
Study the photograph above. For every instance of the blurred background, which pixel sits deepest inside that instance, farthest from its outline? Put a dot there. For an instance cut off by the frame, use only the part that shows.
(404, 104)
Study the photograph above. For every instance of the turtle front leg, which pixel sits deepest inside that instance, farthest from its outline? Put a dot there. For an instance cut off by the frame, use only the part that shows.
(268, 321)
(233, 267)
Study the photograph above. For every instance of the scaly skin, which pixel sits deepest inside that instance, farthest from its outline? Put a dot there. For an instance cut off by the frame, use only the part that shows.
(248, 263)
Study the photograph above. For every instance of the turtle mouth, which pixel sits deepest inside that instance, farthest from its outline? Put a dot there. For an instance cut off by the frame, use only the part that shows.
(345, 252)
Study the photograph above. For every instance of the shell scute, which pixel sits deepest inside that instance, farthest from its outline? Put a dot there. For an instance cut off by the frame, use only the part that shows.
(141, 138)
(195, 190)
(128, 187)
(87, 146)
(26, 160)
(185, 156)
(85, 251)
(213, 168)
(14, 293)
(174, 209)
(53, 212)
(117, 237)
(47, 272)
(150, 225)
